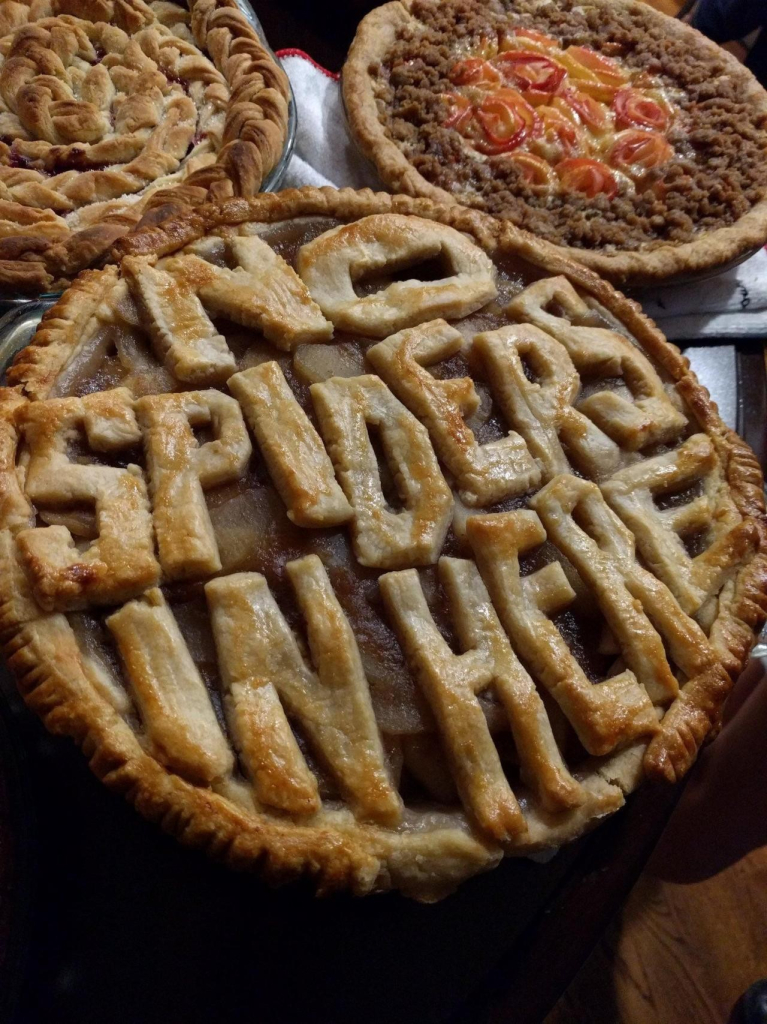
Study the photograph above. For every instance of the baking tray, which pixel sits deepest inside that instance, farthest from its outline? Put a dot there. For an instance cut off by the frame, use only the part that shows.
(119, 922)
(272, 181)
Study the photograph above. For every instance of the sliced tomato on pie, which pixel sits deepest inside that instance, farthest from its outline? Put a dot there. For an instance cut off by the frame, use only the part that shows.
(593, 73)
(591, 177)
(537, 76)
(594, 115)
(558, 138)
(635, 150)
(474, 71)
(506, 120)
(534, 170)
(458, 110)
(636, 109)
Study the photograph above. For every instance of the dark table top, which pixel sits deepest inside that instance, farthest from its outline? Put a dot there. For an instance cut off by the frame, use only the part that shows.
(106, 918)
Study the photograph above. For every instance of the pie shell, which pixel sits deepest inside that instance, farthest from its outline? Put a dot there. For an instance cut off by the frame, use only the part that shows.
(349, 855)
(257, 116)
(375, 35)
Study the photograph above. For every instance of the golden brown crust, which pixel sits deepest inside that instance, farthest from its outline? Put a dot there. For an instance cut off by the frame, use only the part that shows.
(375, 36)
(341, 852)
(43, 249)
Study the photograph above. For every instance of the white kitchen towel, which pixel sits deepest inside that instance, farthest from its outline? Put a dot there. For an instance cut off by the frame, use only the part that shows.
(731, 305)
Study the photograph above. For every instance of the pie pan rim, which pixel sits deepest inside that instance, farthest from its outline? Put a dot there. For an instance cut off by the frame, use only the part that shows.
(357, 856)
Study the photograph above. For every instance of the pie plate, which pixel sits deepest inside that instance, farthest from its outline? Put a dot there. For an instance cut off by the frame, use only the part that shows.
(612, 130)
(223, 941)
(367, 539)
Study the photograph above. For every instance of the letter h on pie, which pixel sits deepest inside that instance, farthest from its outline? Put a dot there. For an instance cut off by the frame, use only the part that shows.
(640, 611)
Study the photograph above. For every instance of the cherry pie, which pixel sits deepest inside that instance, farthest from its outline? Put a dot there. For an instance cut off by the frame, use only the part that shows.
(609, 129)
(105, 104)
(362, 537)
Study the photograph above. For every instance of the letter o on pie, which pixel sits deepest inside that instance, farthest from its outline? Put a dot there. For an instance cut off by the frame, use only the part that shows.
(382, 244)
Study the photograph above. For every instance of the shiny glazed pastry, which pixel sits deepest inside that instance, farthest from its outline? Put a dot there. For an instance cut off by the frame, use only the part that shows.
(609, 129)
(106, 104)
(362, 537)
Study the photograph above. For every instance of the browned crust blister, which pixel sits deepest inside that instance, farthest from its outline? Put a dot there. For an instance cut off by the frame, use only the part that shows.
(254, 137)
(346, 853)
(372, 43)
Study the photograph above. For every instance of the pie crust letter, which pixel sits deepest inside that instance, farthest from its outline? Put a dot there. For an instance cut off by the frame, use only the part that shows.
(262, 667)
(297, 461)
(604, 715)
(451, 683)
(180, 471)
(729, 540)
(331, 263)
(120, 562)
(648, 415)
(262, 292)
(485, 474)
(542, 409)
(169, 691)
(384, 539)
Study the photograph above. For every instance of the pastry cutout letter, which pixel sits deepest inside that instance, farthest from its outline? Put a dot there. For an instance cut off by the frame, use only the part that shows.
(485, 474)
(478, 626)
(263, 292)
(451, 683)
(381, 243)
(171, 697)
(262, 668)
(120, 561)
(384, 539)
(636, 604)
(297, 461)
(647, 416)
(604, 715)
(710, 514)
(638, 608)
(179, 472)
(182, 333)
(541, 409)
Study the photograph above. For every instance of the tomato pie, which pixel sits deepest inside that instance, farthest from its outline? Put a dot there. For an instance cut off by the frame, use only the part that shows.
(367, 538)
(105, 105)
(611, 130)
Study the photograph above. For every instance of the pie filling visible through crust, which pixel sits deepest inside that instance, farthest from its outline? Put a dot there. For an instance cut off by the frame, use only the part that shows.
(105, 102)
(609, 129)
(364, 537)
(569, 120)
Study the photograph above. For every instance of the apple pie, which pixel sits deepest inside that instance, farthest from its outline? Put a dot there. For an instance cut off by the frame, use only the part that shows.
(371, 539)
